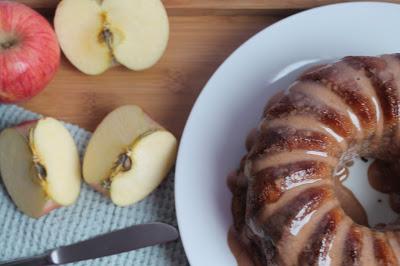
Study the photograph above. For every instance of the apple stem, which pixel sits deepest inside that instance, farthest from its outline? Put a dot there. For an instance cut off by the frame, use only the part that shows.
(106, 184)
(8, 44)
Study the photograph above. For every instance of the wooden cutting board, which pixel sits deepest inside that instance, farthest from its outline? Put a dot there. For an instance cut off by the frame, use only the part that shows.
(228, 6)
(203, 34)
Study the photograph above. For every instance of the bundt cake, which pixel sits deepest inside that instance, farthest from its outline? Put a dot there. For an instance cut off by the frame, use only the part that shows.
(284, 203)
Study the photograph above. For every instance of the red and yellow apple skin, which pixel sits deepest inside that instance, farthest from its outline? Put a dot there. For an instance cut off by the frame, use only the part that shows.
(29, 52)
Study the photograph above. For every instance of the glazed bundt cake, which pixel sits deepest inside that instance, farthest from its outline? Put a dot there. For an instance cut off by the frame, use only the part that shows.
(284, 203)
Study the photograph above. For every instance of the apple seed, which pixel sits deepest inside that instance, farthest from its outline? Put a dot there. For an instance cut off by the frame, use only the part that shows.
(123, 164)
(125, 161)
(39, 167)
(41, 171)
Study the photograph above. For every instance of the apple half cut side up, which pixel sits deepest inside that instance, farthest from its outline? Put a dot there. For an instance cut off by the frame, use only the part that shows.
(128, 156)
(94, 35)
(40, 167)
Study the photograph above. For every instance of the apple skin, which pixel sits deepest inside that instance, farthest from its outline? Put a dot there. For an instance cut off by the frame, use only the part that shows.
(49, 207)
(99, 188)
(29, 52)
(25, 126)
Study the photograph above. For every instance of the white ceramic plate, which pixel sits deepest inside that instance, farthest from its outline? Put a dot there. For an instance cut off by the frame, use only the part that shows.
(232, 101)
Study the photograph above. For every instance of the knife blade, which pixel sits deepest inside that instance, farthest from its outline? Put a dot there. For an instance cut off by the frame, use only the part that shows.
(128, 239)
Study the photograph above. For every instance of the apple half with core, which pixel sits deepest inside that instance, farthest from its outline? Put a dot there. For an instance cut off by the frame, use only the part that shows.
(96, 34)
(40, 167)
(29, 52)
(128, 155)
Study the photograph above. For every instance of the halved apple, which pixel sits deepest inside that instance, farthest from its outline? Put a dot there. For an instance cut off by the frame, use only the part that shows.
(40, 167)
(128, 155)
(94, 34)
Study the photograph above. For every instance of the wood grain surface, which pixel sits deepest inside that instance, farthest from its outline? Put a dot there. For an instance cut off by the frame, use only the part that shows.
(203, 34)
(198, 45)
(185, 7)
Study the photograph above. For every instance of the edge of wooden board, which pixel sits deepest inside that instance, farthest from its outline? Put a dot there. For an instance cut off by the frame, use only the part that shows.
(225, 7)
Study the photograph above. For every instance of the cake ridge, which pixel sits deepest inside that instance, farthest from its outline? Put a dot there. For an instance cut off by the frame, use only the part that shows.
(347, 108)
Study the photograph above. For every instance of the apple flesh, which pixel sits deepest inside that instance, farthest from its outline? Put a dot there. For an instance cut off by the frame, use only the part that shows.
(40, 167)
(96, 34)
(128, 155)
(29, 52)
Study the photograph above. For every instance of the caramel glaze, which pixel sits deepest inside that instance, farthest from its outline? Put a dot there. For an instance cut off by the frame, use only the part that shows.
(384, 176)
(237, 184)
(287, 205)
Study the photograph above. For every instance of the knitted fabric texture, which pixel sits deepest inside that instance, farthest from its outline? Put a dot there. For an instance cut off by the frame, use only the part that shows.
(91, 215)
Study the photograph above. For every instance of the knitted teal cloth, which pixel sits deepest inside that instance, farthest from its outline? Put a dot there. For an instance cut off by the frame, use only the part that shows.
(92, 215)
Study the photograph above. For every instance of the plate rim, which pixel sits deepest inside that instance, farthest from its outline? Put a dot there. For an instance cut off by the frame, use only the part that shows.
(195, 108)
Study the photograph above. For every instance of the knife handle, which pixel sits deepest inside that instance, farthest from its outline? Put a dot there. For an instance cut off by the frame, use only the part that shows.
(32, 261)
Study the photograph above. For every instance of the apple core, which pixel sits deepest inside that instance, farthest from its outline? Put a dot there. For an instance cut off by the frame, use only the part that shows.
(132, 33)
(40, 170)
(123, 164)
(106, 36)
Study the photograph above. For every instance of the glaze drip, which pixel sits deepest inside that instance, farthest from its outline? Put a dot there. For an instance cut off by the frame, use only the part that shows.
(289, 205)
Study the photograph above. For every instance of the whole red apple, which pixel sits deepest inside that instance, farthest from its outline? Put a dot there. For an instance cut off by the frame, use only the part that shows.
(29, 52)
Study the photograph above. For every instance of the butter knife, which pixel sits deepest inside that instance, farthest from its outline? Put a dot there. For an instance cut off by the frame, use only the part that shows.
(131, 238)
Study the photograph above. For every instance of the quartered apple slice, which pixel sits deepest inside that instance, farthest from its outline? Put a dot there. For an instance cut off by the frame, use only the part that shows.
(39, 164)
(128, 155)
(94, 34)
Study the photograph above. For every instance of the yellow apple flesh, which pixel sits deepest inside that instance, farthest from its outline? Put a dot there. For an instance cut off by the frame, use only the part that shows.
(128, 155)
(94, 34)
(39, 165)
